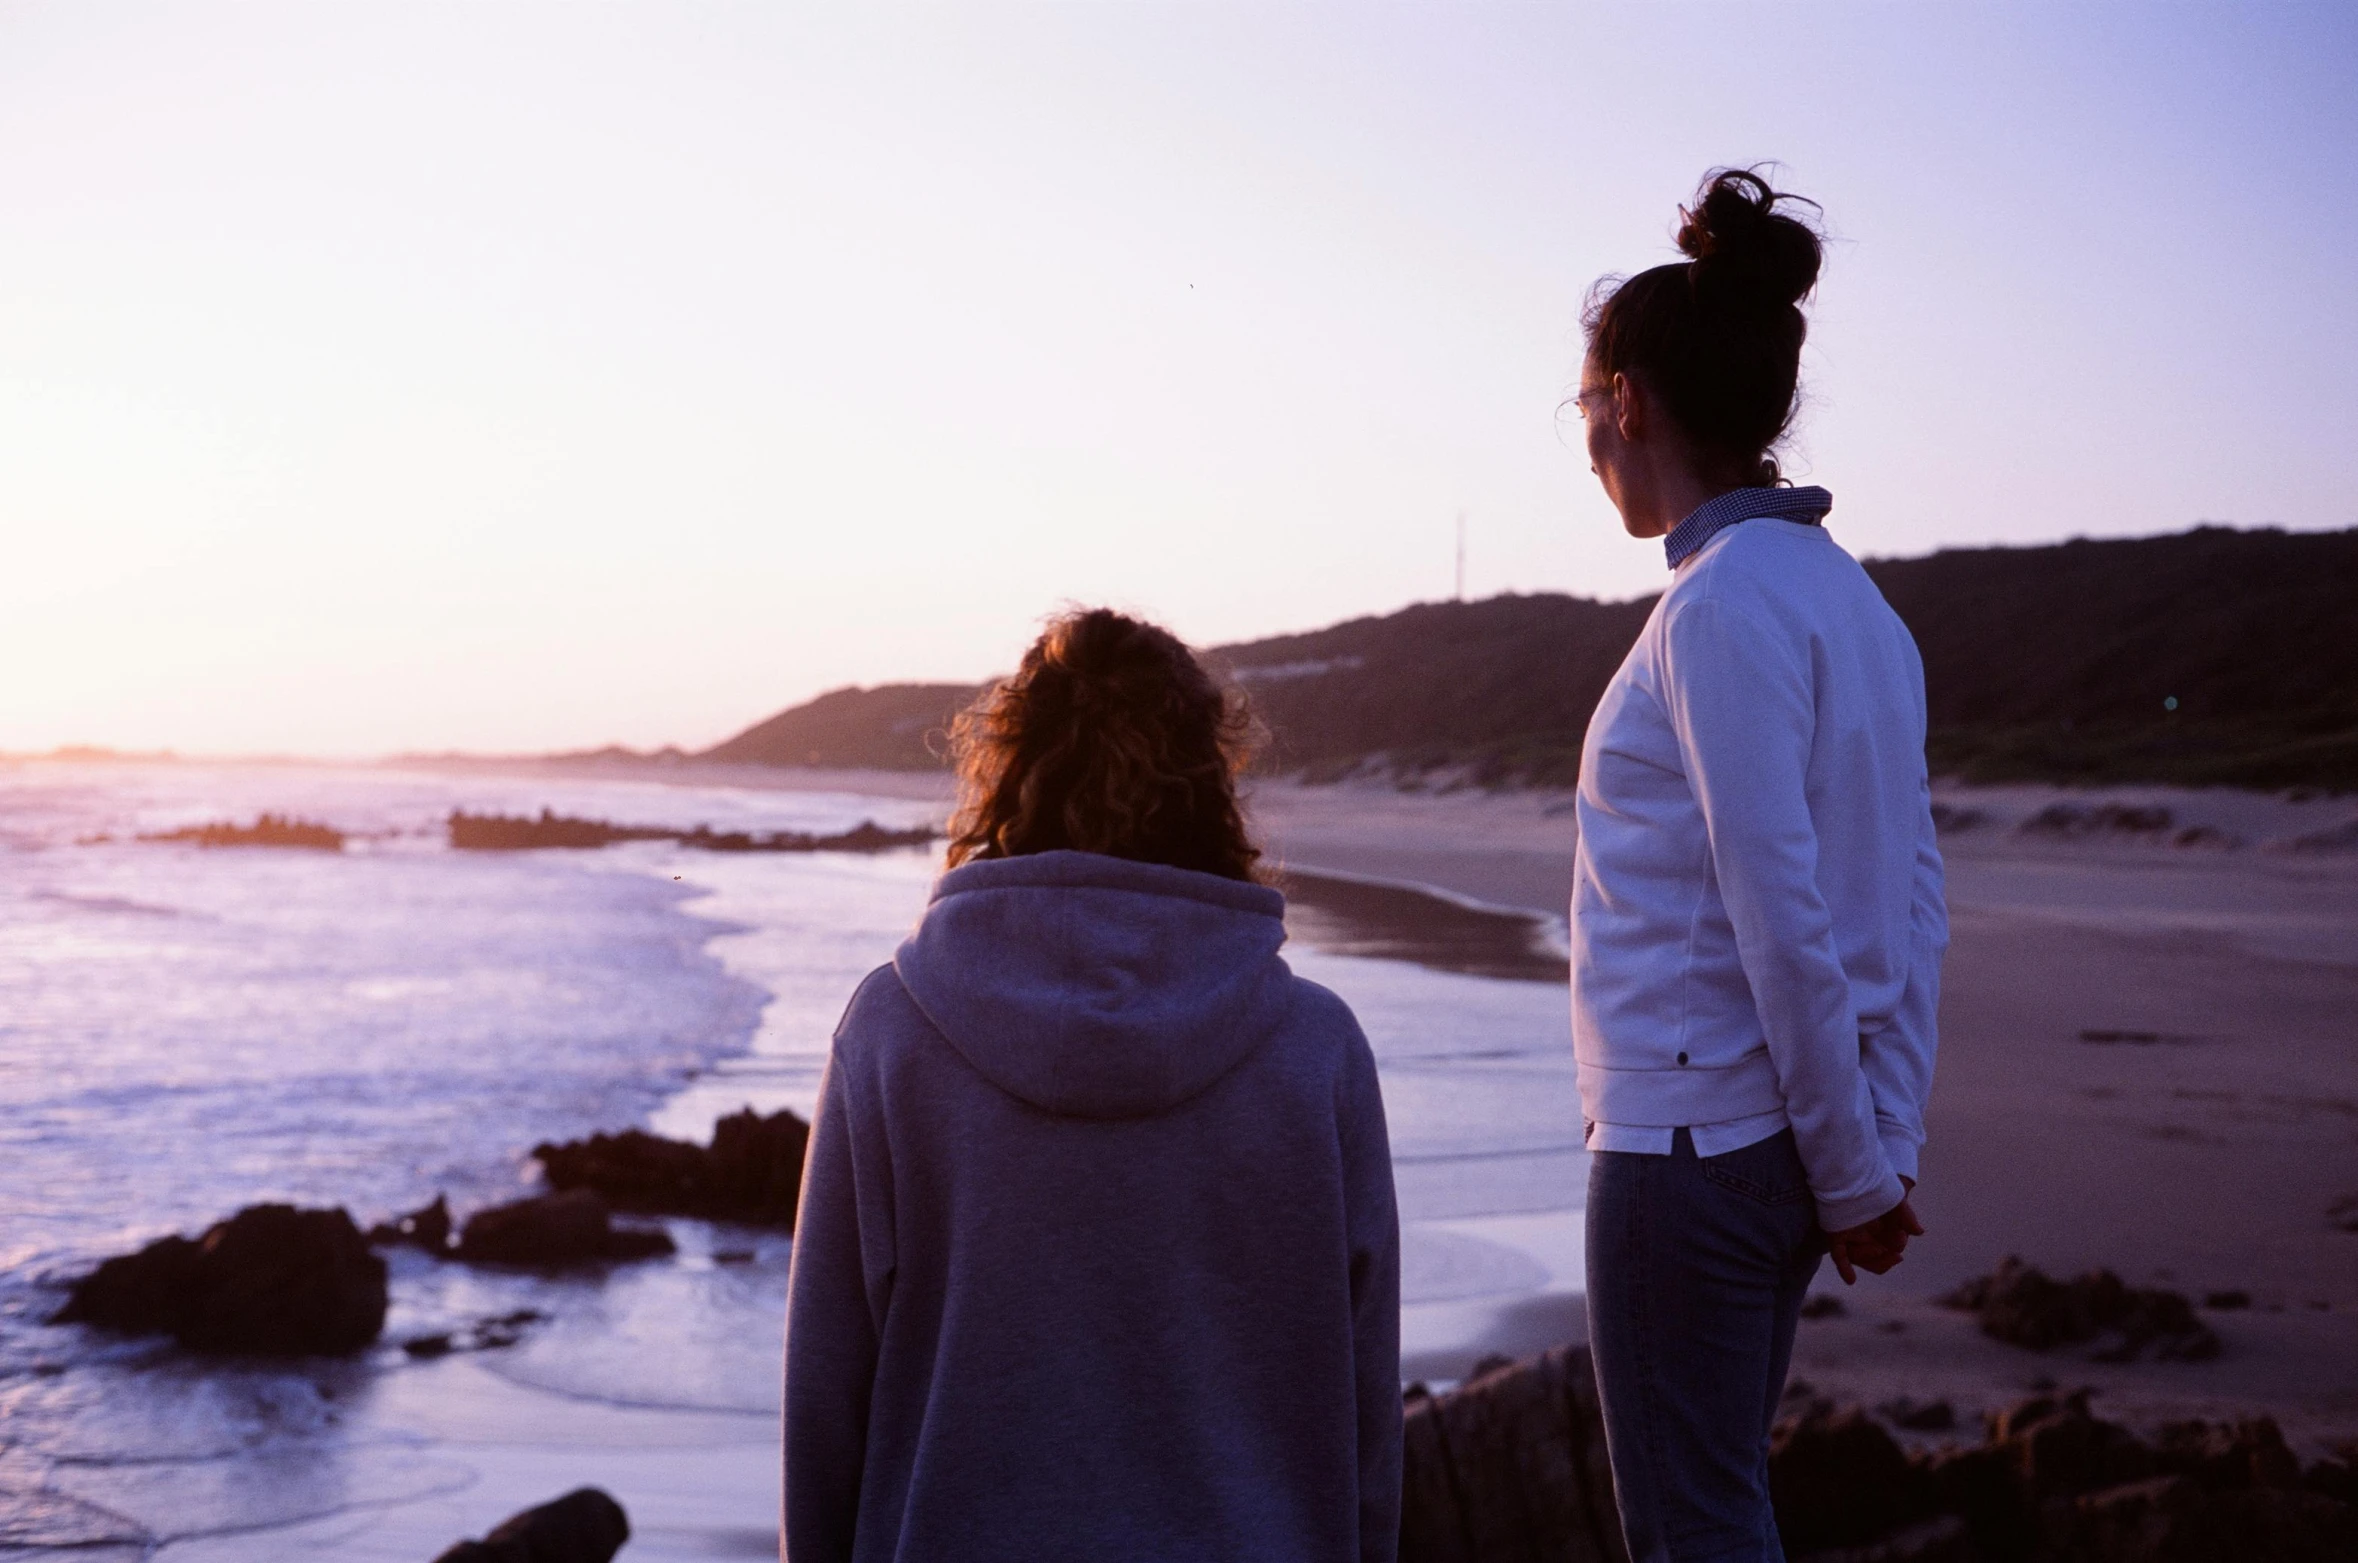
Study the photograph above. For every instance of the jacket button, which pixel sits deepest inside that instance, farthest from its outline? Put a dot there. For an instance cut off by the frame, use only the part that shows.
(1682, 1058)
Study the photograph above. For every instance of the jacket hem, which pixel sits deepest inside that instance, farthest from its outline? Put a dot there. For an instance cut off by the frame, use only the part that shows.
(1681, 1097)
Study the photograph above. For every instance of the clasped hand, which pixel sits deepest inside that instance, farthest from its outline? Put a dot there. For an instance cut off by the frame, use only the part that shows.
(1875, 1246)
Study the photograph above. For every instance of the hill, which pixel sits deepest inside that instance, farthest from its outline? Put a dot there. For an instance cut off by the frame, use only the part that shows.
(2210, 656)
(884, 728)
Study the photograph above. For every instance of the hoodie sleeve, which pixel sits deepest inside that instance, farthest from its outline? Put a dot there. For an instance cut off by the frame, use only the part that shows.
(1374, 1224)
(834, 1319)
(1743, 702)
(1898, 1059)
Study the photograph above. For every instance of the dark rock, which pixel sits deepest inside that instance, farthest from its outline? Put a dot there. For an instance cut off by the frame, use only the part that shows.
(584, 1526)
(2020, 1305)
(272, 1280)
(427, 1227)
(1984, 1488)
(2016, 1492)
(2175, 1519)
(757, 1165)
(1942, 1539)
(1822, 1305)
(2335, 1478)
(752, 1172)
(554, 1230)
(2058, 1449)
(1510, 1467)
(503, 1329)
(270, 830)
(633, 1170)
(138, 1294)
(1839, 1480)
(503, 833)
(2229, 1455)
(522, 833)
(1920, 1416)
(487, 1334)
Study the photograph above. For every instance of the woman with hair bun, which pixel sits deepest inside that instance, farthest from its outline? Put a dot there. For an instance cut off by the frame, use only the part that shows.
(1097, 1255)
(1757, 915)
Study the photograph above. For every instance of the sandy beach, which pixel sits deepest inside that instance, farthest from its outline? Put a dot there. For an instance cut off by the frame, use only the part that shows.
(2201, 1148)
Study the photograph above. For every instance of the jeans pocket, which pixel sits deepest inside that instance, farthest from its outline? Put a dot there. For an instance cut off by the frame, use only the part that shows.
(1769, 1172)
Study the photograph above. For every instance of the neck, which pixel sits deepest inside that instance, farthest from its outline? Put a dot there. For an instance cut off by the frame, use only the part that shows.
(1670, 493)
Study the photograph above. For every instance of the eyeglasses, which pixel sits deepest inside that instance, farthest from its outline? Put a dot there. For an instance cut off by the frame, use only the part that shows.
(1580, 402)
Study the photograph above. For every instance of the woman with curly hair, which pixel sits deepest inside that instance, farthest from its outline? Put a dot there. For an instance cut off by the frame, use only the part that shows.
(1097, 1254)
(1757, 922)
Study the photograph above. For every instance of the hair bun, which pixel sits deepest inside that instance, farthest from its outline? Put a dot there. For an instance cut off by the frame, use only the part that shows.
(1745, 251)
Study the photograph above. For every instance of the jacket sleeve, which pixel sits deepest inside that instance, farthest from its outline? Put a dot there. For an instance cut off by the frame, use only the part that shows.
(1743, 703)
(1374, 1221)
(1899, 1058)
(834, 1321)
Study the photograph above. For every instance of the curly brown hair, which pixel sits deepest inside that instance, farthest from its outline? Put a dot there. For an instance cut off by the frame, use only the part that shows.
(1111, 738)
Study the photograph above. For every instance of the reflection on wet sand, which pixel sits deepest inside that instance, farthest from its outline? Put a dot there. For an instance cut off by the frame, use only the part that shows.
(1370, 918)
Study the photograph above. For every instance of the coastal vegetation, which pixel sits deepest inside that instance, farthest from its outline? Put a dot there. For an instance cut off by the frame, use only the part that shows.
(2209, 657)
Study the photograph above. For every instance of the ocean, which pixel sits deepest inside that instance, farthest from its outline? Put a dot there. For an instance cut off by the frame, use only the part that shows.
(186, 1030)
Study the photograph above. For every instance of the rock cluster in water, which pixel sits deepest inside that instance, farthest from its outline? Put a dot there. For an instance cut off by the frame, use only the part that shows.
(1511, 1465)
(584, 1526)
(277, 1281)
(270, 830)
(544, 1232)
(553, 1232)
(2018, 1304)
(272, 1280)
(523, 833)
(751, 1173)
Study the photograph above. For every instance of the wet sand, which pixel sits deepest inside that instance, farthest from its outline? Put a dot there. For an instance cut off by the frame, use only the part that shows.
(1379, 920)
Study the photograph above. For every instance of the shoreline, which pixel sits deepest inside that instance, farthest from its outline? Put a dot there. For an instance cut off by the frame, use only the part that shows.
(2203, 1159)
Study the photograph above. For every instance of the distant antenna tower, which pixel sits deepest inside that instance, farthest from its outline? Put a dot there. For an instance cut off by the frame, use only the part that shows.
(1461, 556)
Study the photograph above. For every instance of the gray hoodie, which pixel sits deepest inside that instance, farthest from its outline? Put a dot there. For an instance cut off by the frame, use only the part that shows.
(1097, 1255)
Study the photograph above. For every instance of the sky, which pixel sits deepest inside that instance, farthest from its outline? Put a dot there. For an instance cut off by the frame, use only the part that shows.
(509, 377)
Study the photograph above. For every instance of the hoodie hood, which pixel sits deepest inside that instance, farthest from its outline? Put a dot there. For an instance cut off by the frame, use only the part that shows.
(1097, 987)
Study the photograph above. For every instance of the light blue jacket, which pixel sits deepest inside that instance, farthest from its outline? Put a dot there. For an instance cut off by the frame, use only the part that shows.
(1757, 913)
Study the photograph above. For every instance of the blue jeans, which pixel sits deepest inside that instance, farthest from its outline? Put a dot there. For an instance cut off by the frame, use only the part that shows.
(1696, 1272)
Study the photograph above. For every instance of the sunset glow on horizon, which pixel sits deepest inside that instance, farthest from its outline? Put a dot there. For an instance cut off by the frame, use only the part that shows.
(527, 377)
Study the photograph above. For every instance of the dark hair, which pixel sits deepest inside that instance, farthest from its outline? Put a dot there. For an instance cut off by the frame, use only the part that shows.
(1110, 738)
(1718, 336)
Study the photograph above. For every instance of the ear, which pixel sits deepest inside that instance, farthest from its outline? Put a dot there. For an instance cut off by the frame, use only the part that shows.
(1629, 409)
